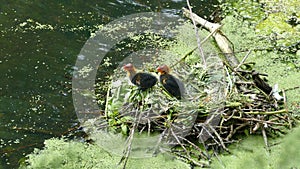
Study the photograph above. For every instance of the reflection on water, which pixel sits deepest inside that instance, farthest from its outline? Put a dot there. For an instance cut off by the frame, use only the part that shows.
(40, 41)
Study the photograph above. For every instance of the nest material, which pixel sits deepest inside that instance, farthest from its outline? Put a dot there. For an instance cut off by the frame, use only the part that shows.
(212, 115)
(221, 104)
(217, 109)
(156, 109)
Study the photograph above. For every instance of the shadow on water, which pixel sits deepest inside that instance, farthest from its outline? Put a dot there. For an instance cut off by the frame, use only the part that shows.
(40, 41)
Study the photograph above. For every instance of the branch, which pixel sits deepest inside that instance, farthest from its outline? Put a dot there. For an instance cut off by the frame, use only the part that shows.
(268, 113)
(197, 35)
(221, 39)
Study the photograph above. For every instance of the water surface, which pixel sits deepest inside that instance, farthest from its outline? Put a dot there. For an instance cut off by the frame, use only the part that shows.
(40, 41)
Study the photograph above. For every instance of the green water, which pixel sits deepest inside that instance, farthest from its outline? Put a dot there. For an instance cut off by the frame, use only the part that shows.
(39, 44)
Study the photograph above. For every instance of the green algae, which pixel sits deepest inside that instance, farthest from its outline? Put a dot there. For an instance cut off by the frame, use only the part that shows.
(59, 153)
(251, 153)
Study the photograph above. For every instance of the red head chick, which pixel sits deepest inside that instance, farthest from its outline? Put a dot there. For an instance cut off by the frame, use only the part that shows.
(143, 80)
(171, 84)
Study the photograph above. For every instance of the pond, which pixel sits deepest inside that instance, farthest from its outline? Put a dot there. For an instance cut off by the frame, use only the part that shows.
(40, 42)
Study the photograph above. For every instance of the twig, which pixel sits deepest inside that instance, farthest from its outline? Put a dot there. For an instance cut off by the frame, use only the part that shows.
(235, 130)
(229, 116)
(221, 40)
(243, 60)
(179, 142)
(196, 147)
(257, 120)
(127, 151)
(284, 100)
(265, 137)
(216, 155)
(292, 88)
(149, 127)
(158, 142)
(184, 57)
(107, 98)
(227, 142)
(268, 113)
(189, 160)
(219, 137)
(203, 143)
(286, 108)
(197, 35)
(230, 83)
(202, 42)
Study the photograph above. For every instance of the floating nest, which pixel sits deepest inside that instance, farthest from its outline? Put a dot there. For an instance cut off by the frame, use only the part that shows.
(220, 105)
(217, 109)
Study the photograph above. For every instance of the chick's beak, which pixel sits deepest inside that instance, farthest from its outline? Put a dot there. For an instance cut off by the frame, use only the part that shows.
(159, 70)
(126, 67)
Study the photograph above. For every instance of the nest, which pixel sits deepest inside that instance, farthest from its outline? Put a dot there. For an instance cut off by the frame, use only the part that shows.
(221, 104)
(217, 109)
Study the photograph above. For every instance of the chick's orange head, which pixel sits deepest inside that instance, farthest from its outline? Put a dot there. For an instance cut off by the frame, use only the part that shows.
(163, 69)
(128, 67)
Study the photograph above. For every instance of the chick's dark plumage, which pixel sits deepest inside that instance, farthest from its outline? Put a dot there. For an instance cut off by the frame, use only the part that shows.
(143, 80)
(171, 84)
